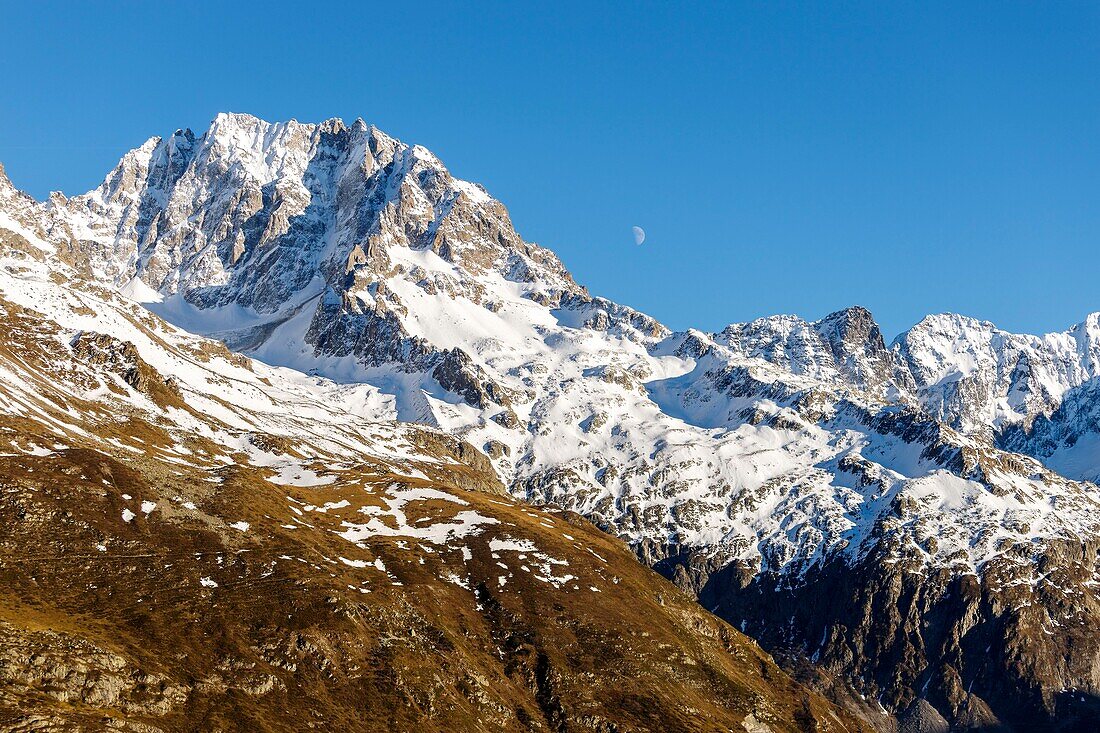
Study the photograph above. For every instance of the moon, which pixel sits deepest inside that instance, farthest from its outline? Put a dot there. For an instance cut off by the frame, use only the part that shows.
(639, 234)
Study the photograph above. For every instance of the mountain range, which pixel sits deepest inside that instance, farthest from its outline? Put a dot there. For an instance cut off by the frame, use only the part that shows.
(303, 329)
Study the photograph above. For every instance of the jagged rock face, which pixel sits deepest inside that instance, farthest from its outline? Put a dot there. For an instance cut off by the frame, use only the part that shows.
(293, 221)
(122, 359)
(846, 347)
(1014, 645)
(1068, 439)
(967, 373)
(250, 213)
(778, 449)
(977, 377)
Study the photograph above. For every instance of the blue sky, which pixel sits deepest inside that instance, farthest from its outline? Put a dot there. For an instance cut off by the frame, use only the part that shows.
(783, 157)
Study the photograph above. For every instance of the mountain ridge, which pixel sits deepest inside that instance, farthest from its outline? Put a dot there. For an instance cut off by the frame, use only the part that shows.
(196, 540)
(750, 465)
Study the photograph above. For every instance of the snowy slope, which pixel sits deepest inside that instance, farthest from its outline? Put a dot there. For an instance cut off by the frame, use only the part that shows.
(79, 360)
(338, 251)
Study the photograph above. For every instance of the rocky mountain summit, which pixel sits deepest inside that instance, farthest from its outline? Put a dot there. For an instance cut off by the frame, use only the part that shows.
(937, 491)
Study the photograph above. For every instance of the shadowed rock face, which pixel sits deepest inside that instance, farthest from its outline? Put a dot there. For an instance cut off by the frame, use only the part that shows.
(857, 344)
(1068, 438)
(756, 466)
(1013, 648)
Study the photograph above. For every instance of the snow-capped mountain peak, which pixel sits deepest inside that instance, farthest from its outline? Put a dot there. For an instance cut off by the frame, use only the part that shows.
(976, 376)
(341, 251)
(771, 451)
(846, 345)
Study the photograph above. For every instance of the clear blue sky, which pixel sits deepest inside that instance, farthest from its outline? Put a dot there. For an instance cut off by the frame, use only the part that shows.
(783, 157)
